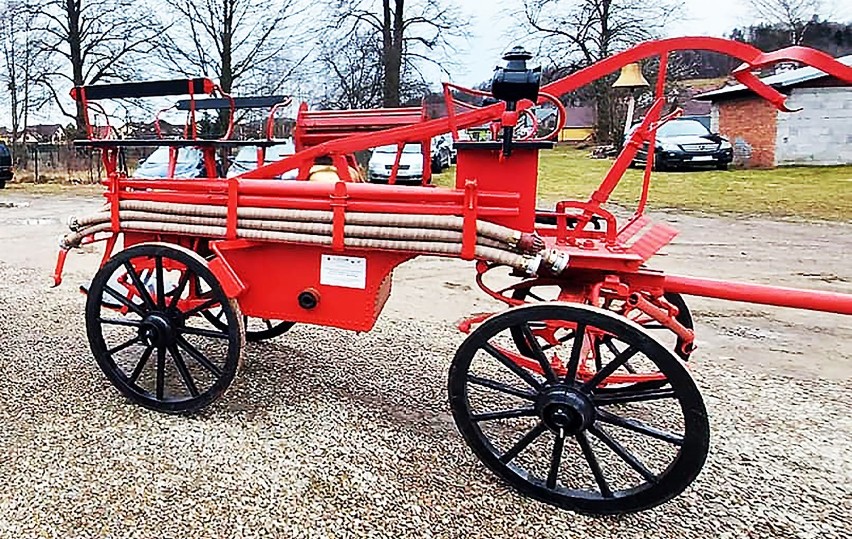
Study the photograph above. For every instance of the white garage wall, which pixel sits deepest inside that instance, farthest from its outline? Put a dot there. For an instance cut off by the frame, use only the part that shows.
(820, 133)
(714, 117)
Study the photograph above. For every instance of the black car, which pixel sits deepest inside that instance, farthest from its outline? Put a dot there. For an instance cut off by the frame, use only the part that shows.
(6, 172)
(685, 143)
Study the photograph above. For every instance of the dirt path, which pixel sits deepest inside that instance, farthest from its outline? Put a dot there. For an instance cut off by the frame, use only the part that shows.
(778, 340)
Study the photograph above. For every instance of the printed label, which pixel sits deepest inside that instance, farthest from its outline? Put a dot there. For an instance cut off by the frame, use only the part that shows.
(344, 271)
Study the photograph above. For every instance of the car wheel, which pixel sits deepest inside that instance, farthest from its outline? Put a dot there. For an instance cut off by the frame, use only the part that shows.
(2, 184)
(721, 166)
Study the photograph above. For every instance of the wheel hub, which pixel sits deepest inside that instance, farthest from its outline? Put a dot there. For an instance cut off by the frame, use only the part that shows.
(564, 409)
(157, 330)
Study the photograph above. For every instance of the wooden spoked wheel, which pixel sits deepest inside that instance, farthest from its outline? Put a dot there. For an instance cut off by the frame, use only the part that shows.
(554, 435)
(156, 348)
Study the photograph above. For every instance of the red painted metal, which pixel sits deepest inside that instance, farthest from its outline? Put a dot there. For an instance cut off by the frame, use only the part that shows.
(813, 300)
(271, 295)
(270, 123)
(662, 73)
(514, 177)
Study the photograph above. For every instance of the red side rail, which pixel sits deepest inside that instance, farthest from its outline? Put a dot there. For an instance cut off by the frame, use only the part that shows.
(315, 127)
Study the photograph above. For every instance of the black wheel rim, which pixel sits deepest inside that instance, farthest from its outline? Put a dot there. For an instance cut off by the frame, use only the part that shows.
(256, 329)
(158, 350)
(556, 437)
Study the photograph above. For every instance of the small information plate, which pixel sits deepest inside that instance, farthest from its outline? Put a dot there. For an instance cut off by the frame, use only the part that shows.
(344, 271)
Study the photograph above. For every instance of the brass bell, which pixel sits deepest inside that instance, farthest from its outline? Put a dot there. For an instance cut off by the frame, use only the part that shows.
(630, 77)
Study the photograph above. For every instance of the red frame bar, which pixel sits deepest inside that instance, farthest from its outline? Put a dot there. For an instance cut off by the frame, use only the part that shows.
(814, 300)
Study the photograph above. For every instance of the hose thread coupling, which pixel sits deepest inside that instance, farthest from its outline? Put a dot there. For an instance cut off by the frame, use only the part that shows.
(64, 244)
(531, 265)
(556, 261)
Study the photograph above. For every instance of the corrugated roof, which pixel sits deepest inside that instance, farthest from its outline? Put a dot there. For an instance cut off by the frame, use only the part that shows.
(779, 80)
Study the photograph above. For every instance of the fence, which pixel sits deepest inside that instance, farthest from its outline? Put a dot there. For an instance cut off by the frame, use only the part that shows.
(67, 163)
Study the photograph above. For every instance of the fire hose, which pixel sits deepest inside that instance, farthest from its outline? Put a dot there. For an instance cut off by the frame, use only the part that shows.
(428, 234)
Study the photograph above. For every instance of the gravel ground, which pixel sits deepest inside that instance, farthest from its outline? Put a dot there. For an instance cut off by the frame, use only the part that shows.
(329, 433)
(335, 434)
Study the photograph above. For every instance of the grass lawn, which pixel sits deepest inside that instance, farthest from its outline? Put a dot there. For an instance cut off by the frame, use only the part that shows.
(54, 188)
(800, 192)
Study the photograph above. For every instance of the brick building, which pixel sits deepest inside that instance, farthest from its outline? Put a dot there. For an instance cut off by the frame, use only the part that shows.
(819, 134)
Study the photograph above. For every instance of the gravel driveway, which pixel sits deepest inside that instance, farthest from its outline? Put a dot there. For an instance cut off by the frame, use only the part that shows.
(333, 434)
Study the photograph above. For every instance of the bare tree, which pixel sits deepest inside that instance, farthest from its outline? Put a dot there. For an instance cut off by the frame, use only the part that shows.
(406, 34)
(352, 72)
(577, 33)
(91, 41)
(22, 63)
(796, 16)
(248, 45)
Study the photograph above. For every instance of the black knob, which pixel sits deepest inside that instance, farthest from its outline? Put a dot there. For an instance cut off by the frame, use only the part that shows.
(517, 59)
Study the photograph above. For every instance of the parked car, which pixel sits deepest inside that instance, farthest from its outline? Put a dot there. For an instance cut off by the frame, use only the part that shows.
(246, 159)
(190, 164)
(6, 171)
(382, 159)
(685, 143)
(410, 164)
(442, 154)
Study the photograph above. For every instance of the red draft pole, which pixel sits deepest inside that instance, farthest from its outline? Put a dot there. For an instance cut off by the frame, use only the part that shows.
(812, 300)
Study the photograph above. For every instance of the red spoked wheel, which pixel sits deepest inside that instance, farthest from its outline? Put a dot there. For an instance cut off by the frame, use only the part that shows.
(156, 348)
(555, 435)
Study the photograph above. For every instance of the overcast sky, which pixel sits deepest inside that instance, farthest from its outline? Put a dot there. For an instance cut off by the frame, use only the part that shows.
(491, 33)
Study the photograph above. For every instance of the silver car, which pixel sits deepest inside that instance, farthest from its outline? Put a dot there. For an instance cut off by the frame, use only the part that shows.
(410, 164)
(246, 159)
